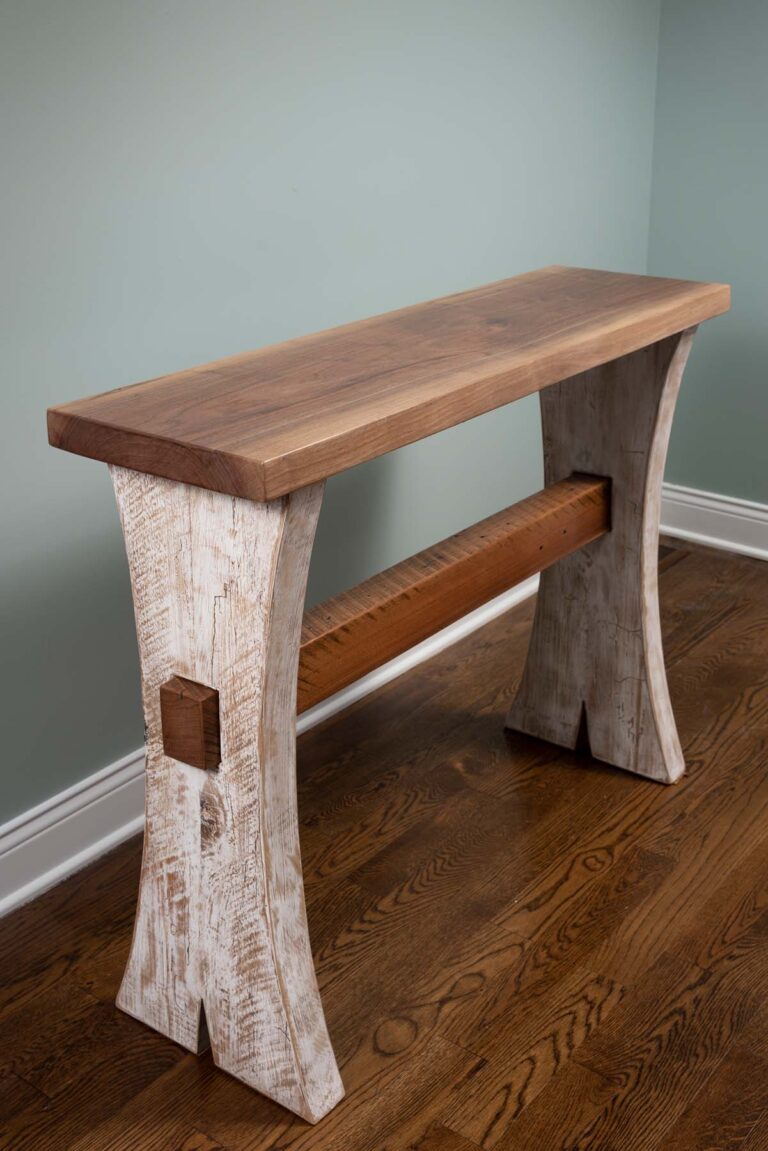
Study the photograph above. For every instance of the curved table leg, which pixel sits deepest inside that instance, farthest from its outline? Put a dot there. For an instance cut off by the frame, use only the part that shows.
(221, 946)
(595, 649)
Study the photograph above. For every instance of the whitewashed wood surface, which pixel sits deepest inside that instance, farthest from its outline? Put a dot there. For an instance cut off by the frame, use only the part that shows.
(596, 640)
(218, 587)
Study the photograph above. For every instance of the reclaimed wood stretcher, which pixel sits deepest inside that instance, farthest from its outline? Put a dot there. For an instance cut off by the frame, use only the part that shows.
(219, 474)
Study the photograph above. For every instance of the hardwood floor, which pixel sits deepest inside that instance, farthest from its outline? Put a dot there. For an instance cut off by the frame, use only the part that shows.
(517, 948)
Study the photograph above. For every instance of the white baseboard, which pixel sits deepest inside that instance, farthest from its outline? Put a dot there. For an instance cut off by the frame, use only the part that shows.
(44, 845)
(718, 521)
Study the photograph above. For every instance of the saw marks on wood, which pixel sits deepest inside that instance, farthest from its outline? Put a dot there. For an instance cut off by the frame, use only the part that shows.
(595, 660)
(220, 949)
(518, 948)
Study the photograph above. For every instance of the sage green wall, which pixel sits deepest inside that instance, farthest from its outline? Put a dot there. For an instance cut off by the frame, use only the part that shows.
(188, 179)
(708, 222)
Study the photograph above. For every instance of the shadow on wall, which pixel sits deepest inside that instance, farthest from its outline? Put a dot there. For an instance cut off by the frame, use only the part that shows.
(350, 531)
(390, 508)
(63, 622)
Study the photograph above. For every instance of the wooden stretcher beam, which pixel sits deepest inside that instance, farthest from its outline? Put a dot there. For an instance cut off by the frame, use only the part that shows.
(357, 631)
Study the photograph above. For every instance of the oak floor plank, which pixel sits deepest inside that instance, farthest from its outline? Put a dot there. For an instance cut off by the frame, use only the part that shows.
(561, 1110)
(18, 1098)
(384, 811)
(709, 842)
(394, 1110)
(194, 1096)
(88, 1033)
(659, 1064)
(525, 1050)
(758, 1139)
(449, 988)
(41, 942)
(176, 1136)
(101, 972)
(736, 906)
(75, 1072)
(657, 1051)
(193, 1141)
(721, 945)
(569, 936)
(439, 1138)
(701, 595)
(731, 1104)
(454, 888)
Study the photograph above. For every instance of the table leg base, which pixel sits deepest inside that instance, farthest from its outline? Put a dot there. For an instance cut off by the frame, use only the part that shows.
(595, 654)
(221, 947)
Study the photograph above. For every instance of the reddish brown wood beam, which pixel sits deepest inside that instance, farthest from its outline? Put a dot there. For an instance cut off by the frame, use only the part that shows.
(357, 631)
(189, 714)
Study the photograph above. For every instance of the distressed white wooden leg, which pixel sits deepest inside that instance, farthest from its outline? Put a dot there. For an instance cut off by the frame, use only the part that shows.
(595, 648)
(218, 586)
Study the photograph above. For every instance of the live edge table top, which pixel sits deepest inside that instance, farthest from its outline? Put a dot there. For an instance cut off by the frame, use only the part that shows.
(267, 422)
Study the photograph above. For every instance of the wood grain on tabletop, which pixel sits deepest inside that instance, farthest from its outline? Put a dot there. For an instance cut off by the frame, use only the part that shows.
(266, 422)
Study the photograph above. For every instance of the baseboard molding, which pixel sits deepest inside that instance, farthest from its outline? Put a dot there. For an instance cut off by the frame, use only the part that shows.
(49, 842)
(718, 521)
(44, 845)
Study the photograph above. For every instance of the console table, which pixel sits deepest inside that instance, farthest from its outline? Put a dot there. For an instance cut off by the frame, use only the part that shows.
(219, 474)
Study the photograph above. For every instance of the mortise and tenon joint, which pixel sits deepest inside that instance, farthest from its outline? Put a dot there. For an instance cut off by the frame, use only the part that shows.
(189, 715)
